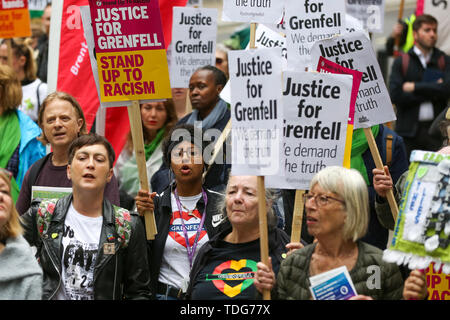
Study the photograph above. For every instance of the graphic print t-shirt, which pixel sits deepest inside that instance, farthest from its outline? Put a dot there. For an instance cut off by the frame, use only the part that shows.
(80, 244)
(229, 272)
(175, 265)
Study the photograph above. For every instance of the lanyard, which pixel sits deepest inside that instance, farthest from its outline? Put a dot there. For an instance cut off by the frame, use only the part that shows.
(191, 250)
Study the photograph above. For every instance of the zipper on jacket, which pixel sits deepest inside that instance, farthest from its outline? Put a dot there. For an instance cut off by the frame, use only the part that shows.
(54, 265)
(115, 278)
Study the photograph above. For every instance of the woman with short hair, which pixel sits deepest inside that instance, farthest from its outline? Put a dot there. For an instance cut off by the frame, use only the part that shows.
(337, 214)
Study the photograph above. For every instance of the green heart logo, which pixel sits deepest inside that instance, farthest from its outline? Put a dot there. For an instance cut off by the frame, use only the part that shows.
(233, 277)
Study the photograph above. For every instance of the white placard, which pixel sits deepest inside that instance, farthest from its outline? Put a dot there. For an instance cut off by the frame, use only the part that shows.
(307, 22)
(315, 126)
(193, 44)
(266, 37)
(261, 11)
(370, 13)
(354, 51)
(256, 110)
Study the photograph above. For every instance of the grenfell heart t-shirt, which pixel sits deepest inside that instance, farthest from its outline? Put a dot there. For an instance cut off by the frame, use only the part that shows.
(229, 272)
(175, 266)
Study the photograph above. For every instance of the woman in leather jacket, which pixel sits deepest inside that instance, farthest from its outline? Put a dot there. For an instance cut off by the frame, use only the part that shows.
(87, 247)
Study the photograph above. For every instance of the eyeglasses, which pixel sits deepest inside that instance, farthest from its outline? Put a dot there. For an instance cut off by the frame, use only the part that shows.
(7, 173)
(320, 199)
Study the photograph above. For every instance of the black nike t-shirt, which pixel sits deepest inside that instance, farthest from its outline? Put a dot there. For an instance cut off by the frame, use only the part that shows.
(229, 272)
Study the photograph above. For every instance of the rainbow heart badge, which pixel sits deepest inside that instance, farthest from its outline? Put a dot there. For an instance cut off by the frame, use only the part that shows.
(233, 277)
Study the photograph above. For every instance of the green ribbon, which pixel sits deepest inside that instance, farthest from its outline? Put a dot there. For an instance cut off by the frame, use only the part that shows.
(359, 146)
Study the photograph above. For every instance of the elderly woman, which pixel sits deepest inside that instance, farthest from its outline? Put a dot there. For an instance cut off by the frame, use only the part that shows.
(20, 274)
(225, 266)
(185, 212)
(157, 120)
(337, 216)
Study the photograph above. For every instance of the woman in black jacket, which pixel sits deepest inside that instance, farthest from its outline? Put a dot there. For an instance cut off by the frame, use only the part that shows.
(185, 213)
(226, 265)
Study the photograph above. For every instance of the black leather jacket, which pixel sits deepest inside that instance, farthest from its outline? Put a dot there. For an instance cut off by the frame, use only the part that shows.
(123, 275)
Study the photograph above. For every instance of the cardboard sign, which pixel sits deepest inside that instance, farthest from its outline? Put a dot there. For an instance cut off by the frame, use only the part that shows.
(14, 19)
(266, 37)
(310, 21)
(438, 284)
(354, 51)
(193, 44)
(328, 66)
(315, 126)
(262, 11)
(422, 230)
(130, 51)
(256, 111)
(370, 14)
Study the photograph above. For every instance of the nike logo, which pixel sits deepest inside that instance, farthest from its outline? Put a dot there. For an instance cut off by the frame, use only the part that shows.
(217, 219)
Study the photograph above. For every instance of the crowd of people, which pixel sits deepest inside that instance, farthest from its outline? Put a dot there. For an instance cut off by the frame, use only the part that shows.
(91, 243)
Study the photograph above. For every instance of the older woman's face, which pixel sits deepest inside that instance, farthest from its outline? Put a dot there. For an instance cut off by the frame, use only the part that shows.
(5, 202)
(324, 217)
(242, 200)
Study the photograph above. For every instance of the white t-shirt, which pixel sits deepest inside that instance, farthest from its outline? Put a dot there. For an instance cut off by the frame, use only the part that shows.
(80, 241)
(175, 265)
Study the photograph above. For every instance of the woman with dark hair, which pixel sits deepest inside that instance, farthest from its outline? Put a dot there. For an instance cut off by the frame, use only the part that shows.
(24, 65)
(185, 212)
(19, 147)
(157, 120)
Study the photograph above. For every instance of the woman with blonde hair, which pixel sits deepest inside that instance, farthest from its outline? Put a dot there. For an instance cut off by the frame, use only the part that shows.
(20, 274)
(19, 147)
(22, 61)
(337, 215)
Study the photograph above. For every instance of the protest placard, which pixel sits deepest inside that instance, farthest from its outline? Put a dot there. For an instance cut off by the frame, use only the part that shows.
(315, 126)
(422, 230)
(266, 37)
(328, 66)
(256, 109)
(14, 19)
(194, 34)
(369, 13)
(261, 11)
(335, 284)
(130, 51)
(307, 22)
(49, 192)
(354, 51)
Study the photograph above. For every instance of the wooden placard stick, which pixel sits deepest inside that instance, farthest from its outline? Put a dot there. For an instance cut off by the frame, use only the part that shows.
(134, 113)
(262, 208)
(398, 37)
(263, 230)
(297, 217)
(379, 164)
(218, 146)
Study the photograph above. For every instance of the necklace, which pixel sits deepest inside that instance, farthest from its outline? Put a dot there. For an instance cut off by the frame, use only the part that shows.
(190, 212)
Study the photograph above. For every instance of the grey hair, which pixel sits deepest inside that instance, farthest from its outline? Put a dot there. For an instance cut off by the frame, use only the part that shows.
(350, 185)
(272, 219)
